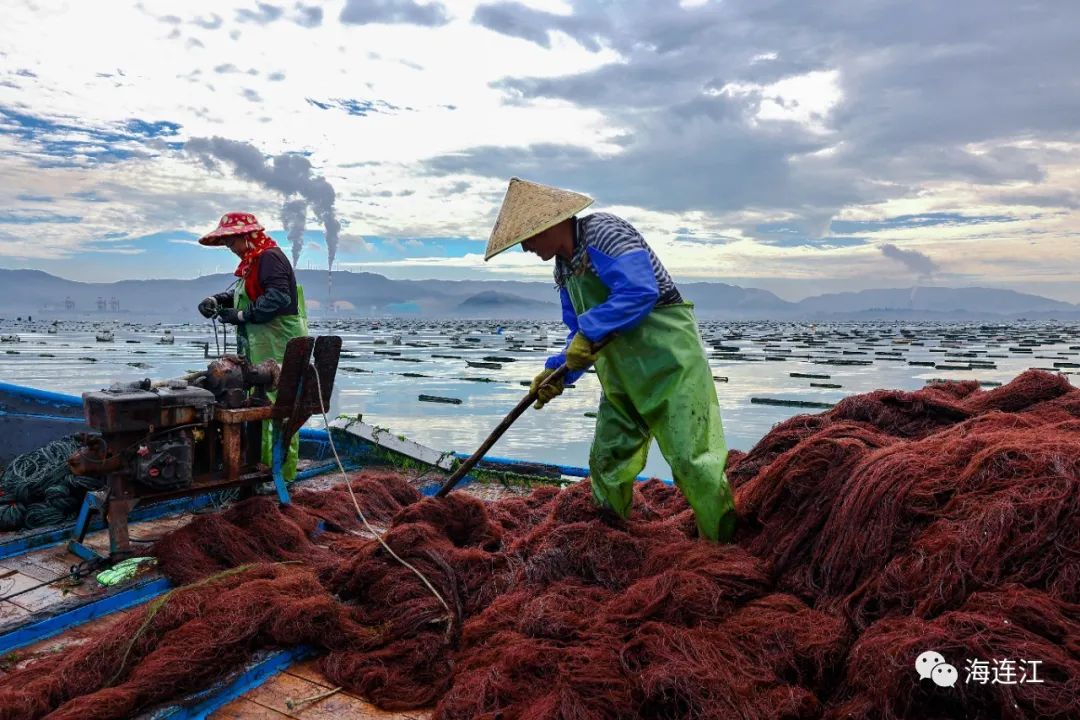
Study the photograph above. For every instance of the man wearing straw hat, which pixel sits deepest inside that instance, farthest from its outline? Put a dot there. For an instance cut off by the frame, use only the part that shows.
(265, 303)
(655, 378)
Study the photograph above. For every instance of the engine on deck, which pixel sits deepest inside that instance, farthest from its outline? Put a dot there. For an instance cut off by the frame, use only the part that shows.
(156, 433)
(197, 434)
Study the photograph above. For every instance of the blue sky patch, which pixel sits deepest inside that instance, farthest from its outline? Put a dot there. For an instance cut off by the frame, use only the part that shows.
(789, 235)
(176, 253)
(359, 108)
(917, 221)
(27, 218)
(88, 196)
(72, 145)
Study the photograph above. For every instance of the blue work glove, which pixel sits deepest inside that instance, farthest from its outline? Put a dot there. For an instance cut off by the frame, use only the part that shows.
(548, 392)
(580, 355)
(232, 316)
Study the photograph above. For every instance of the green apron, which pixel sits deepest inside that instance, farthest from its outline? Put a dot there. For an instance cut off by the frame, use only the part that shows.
(261, 341)
(657, 383)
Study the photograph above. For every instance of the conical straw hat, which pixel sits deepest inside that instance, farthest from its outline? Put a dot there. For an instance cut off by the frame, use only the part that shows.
(528, 209)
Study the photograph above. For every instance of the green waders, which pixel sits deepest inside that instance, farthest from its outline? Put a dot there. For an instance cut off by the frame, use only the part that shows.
(261, 341)
(657, 383)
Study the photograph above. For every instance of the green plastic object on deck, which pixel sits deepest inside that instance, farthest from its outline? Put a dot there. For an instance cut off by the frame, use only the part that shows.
(262, 341)
(657, 383)
(123, 571)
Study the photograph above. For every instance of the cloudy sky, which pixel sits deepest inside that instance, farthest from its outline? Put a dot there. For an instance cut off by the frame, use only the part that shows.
(792, 145)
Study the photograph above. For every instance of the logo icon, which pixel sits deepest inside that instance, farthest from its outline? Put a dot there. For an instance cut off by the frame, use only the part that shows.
(931, 665)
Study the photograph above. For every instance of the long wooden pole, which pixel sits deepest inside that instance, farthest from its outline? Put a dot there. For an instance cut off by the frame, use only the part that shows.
(519, 409)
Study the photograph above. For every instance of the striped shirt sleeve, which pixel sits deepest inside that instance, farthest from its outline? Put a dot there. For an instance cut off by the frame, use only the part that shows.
(613, 236)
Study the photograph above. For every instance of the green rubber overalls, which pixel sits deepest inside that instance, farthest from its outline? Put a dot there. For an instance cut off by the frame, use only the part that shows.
(657, 383)
(260, 341)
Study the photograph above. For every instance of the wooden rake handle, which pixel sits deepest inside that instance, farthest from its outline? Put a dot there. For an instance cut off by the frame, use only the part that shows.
(519, 409)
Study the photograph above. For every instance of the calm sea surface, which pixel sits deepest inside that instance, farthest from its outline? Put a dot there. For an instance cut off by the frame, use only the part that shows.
(384, 387)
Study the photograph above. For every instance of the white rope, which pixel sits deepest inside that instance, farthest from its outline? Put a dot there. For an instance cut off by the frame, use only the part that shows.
(372, 530)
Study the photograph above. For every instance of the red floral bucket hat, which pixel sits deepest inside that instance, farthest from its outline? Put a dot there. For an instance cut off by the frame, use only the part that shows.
(231, 224)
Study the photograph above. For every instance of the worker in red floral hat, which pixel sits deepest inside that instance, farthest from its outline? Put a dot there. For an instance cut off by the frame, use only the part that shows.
(265, 303)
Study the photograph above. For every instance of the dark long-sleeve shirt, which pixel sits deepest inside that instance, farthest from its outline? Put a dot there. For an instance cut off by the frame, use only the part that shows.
(278, 283)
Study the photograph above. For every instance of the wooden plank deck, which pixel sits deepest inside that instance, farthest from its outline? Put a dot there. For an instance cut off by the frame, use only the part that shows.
(18, 574)
(303, 680)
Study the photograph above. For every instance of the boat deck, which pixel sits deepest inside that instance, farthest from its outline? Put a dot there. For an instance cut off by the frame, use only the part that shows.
(303, 680)
(38, 619)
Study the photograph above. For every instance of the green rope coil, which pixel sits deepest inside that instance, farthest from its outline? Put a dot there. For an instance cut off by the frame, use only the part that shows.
(37, 488)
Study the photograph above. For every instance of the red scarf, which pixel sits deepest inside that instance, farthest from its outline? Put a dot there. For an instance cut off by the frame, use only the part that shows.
(258, 243)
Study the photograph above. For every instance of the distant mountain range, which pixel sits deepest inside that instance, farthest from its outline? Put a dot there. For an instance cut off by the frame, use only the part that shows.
(366, 294)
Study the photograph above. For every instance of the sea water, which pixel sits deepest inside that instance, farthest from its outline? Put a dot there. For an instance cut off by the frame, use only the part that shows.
(383, 387)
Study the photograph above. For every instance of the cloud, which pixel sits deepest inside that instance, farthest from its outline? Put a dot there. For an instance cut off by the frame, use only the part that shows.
(710, 101)
(1050, 198)
(537, 26)
(917, 262)
(265, 13)
(364, 12)
(354, 243)
(211, 23)
(924, 220)
(308, 16)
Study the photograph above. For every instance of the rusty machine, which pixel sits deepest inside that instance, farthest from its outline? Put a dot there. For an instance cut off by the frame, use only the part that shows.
(195, 435)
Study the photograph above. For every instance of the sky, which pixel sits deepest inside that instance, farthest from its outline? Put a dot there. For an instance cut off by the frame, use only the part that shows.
(799, 146)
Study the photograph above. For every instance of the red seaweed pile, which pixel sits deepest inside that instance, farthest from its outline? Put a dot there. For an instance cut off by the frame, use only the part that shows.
(897, 523)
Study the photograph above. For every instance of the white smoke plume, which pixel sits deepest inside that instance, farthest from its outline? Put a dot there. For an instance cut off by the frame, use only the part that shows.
(294, 220)
(289, 174)
(919, 263)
